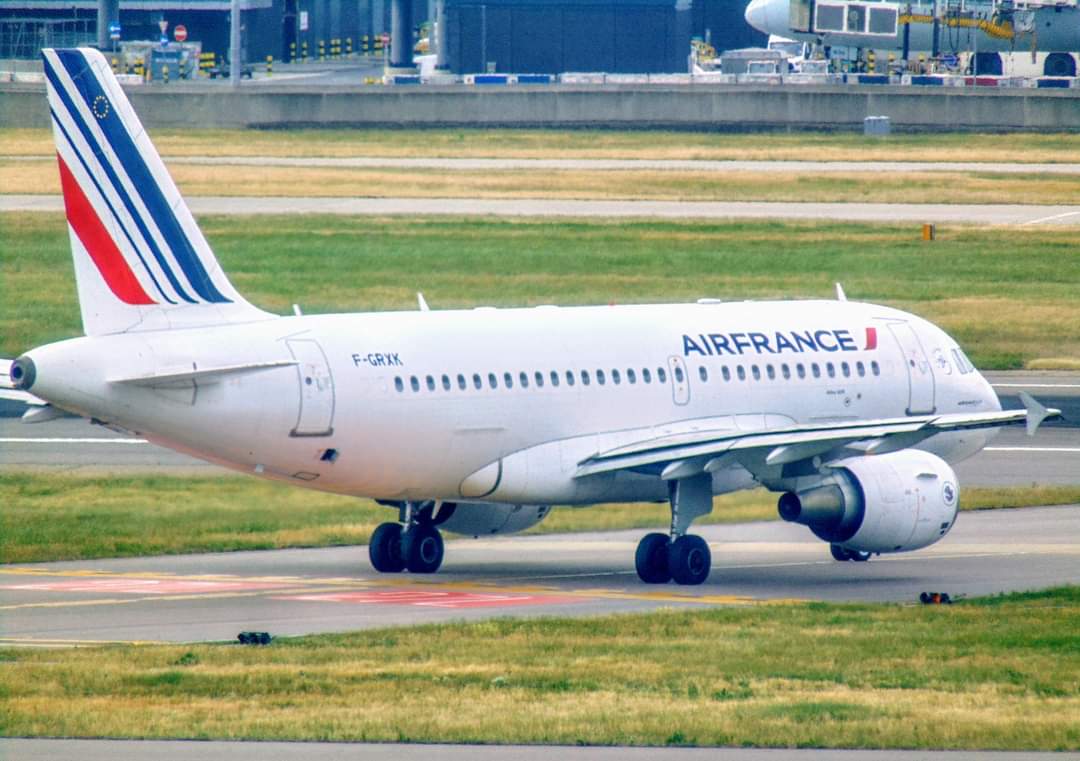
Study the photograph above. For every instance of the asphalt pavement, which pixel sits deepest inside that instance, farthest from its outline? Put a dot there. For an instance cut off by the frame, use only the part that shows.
(125, 750)
(981, 214)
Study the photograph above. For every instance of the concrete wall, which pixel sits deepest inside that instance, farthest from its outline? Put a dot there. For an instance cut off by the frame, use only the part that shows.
(673, 107)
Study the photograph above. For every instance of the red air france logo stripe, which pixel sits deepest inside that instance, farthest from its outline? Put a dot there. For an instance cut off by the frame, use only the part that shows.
(99, 243)
(871, 339)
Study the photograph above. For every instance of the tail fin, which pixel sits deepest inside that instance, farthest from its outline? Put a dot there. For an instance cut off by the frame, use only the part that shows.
(141, 262)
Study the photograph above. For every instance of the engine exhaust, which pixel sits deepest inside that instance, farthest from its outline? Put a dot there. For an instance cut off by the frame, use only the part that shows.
(822, 507)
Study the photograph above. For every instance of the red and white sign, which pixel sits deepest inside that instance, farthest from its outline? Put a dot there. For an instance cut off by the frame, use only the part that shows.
(434, 599)
(180, 33)
(142, 586)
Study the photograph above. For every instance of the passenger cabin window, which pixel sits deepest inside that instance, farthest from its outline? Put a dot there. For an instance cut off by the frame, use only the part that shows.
(741, 372)
(830, 369)
(554, 379)
(446, 382)
(524, 379)
(875, 368)
(569, 377)
(600, 377)
(800, 370)
(399, 384)
(477, 383)
(703, 374)
(860, 368)
(615, 377)
(646, 375)
(845, 368)
(661, 375)
(679, 374)
(770, 371)
(631, 376)
(539, 378)
(461, 382)
(508, 380)
(430, 382)
(414, 383)
(815, 370)
(493, 382)
(584, 377)
(785, 371)
(756, 372)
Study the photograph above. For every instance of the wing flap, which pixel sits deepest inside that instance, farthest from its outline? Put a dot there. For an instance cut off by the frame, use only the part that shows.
(688, 453)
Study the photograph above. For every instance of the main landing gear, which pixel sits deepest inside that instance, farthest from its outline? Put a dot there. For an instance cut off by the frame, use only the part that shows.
(680, 557)
(841, 554)
(414, 544)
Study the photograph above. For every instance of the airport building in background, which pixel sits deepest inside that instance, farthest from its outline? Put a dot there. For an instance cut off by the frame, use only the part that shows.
(516, 36)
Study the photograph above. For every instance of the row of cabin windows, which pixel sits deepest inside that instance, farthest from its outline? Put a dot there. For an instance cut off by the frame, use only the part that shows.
(538, 378)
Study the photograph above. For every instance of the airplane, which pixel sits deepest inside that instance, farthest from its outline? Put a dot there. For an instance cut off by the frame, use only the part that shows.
(988, 28)
(476, 421)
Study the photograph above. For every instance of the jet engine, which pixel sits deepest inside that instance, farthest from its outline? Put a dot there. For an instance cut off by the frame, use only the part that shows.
(482, 518)
(894, 502)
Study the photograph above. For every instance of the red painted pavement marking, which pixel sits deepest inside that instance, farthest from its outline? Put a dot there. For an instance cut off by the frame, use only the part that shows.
(142, 586)
(434, 599)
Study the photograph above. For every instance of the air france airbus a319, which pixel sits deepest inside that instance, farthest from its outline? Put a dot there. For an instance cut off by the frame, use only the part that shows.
(476, 421)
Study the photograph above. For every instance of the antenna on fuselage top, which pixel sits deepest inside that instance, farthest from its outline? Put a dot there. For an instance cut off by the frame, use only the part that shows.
(840, 295)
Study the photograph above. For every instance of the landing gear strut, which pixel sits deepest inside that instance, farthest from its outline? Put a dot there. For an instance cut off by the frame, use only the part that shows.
(414, 544)
(841, 554)
(681, 557)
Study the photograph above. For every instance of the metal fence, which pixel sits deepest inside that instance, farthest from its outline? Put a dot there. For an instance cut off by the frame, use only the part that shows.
(24, 38)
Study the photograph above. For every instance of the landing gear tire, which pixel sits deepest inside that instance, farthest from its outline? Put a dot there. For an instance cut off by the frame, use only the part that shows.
(841, 554)
(385, 549)
(422, 547)
(651, 559)
(689, 560)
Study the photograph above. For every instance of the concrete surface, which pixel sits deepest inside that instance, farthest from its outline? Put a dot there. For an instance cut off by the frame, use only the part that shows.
(701, 106)
(126, 750)
(292, 592)
(981, 214)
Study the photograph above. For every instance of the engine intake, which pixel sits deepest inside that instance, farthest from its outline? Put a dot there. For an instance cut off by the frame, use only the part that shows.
(887, 503)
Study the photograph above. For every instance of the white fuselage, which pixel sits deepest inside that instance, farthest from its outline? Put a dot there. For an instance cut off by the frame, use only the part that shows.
(401, 405)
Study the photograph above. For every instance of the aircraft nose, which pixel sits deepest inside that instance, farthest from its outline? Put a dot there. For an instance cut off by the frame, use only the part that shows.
(756, 14)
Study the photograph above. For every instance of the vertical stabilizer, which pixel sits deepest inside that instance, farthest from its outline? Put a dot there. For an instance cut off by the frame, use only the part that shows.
(141, 262)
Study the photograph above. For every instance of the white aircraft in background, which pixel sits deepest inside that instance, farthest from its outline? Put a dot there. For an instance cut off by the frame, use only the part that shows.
(476, 421)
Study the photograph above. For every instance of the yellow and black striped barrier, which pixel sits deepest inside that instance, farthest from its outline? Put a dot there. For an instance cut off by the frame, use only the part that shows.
(206, 62)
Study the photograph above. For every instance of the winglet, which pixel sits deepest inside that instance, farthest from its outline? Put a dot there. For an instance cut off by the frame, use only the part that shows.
(840, 295)
(1036, 412)
(422, 302)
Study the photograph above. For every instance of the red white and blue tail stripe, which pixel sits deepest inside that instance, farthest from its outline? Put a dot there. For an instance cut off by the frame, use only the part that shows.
(141, 262)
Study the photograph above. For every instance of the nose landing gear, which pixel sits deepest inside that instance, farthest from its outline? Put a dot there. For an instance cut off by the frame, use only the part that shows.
(414, 544)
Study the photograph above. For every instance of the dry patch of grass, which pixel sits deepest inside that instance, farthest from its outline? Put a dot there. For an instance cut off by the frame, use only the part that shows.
(668, 185)
(995, 674)
(48, 516)
(1053, 363)
(801, 146)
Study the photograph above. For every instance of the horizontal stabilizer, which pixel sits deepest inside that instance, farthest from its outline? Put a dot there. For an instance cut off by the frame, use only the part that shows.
(202, 374)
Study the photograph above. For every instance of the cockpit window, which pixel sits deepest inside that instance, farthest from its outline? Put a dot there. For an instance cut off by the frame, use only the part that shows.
(962, 362)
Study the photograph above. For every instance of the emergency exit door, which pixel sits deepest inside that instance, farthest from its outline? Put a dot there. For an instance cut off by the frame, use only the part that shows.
(316, 414)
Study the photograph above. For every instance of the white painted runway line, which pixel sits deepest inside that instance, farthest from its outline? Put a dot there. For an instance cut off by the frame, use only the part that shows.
(30, 440)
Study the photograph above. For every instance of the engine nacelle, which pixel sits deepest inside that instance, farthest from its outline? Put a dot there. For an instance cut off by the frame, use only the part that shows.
(894, 502)
(483, 518)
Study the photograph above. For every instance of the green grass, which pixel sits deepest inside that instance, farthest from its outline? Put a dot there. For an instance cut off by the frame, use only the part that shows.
(1000, 673)
(512, 143)
(60, 516)
(1009, 295)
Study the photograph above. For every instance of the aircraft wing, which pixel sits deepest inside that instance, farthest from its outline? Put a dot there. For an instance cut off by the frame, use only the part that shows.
(686, 454)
